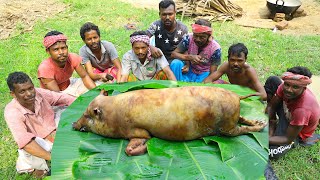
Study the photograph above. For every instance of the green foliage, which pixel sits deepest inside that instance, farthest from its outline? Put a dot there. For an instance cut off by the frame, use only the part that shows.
(86, 155)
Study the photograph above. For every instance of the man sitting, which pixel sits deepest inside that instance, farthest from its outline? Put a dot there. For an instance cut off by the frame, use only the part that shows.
(138, 60)
(100, 58)
(31, 121)
(239, 71)
(203, 54)
(54, 73)
(167, 32)
(300, 113)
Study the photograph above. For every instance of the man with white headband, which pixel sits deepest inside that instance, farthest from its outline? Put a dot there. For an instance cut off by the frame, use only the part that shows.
(197, 55)
(139, 62)
(54, 73)
(301, 113)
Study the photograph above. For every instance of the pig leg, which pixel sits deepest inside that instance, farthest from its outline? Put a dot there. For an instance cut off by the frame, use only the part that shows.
(136, 146)
(254, 126)
(250, 122)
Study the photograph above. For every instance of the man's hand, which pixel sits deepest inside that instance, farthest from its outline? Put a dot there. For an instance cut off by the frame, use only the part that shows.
(195, 59)
(185, 69)
(207, 80)
(104, 77)
(155, 52)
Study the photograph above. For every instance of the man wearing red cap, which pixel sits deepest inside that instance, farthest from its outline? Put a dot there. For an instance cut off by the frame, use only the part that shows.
(203, 54)
(54, 73)
(301, 113)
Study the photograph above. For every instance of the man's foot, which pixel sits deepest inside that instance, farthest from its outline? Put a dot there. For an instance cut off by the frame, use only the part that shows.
(310, 140)
(39, 173)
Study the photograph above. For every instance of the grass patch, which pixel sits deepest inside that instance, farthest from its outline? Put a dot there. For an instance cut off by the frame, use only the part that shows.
(269, 53)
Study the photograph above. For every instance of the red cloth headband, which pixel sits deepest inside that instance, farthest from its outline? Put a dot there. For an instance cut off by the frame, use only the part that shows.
(50, 40)
(196, 28)
(296, 79)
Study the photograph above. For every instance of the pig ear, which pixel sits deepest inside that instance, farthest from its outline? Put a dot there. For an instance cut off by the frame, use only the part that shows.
(97, 111)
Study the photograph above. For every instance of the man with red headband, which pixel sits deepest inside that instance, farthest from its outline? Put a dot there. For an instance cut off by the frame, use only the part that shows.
(141, 64)
(54, 73)
(200, 52)
(301, 113)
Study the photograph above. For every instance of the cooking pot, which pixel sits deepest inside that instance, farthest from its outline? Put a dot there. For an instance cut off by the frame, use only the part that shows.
(287, 7)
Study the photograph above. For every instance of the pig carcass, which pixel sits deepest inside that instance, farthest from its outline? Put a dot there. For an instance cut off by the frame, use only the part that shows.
(176, 114)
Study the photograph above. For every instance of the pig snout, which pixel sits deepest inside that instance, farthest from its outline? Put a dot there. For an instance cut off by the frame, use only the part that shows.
(76, 126)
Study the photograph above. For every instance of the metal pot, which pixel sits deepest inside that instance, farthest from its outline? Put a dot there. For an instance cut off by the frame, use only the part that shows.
(287, 7)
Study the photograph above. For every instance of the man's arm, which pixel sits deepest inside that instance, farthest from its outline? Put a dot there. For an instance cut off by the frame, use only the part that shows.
(126, 67)
(216, 74)
(124, 78)
(50, 84)
(272, 106)
(180, 54)
(292, 133)
(117, 64)
(213, 68)
(35, 149)
(169, 73)
(93, 76)
(257, 86)
(87, 81)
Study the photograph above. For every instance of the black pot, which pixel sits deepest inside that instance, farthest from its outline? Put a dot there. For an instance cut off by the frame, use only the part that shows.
(287, 7)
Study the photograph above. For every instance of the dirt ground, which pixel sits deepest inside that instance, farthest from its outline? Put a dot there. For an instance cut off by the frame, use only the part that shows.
(18, 16)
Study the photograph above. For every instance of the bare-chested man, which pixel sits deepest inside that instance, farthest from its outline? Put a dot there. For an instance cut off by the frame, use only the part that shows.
(238, 70)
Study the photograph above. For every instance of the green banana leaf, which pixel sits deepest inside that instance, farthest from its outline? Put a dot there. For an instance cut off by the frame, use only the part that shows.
(82, 155)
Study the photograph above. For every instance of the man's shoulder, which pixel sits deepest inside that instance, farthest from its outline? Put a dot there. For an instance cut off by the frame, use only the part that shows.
(179, 23)
(128, 55)
(13, 108)
(83, 49)
(46, 64)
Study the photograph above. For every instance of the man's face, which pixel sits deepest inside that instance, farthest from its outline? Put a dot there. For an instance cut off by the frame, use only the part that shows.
(237, 63)
(201, 39)
(92, 40)
(24, 93)
(59, 53)
(140, 49)
(168, 16)
(292, 91)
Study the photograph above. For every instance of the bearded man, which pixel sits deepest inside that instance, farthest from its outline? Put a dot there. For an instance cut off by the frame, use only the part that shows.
(138, 64)
(199, 51)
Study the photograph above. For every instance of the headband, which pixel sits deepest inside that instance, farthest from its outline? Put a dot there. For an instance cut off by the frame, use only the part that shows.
(196, 28)
(50, 40)
(140, 38)
(297, 79)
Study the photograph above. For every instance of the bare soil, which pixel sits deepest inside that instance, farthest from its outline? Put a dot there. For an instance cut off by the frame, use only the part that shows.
(17, 16)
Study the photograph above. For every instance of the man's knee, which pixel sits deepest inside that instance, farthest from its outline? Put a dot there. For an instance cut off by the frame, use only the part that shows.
(176, 63)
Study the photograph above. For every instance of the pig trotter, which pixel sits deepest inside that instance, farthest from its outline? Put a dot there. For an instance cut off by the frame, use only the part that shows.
(252, 126)
(136, 146)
